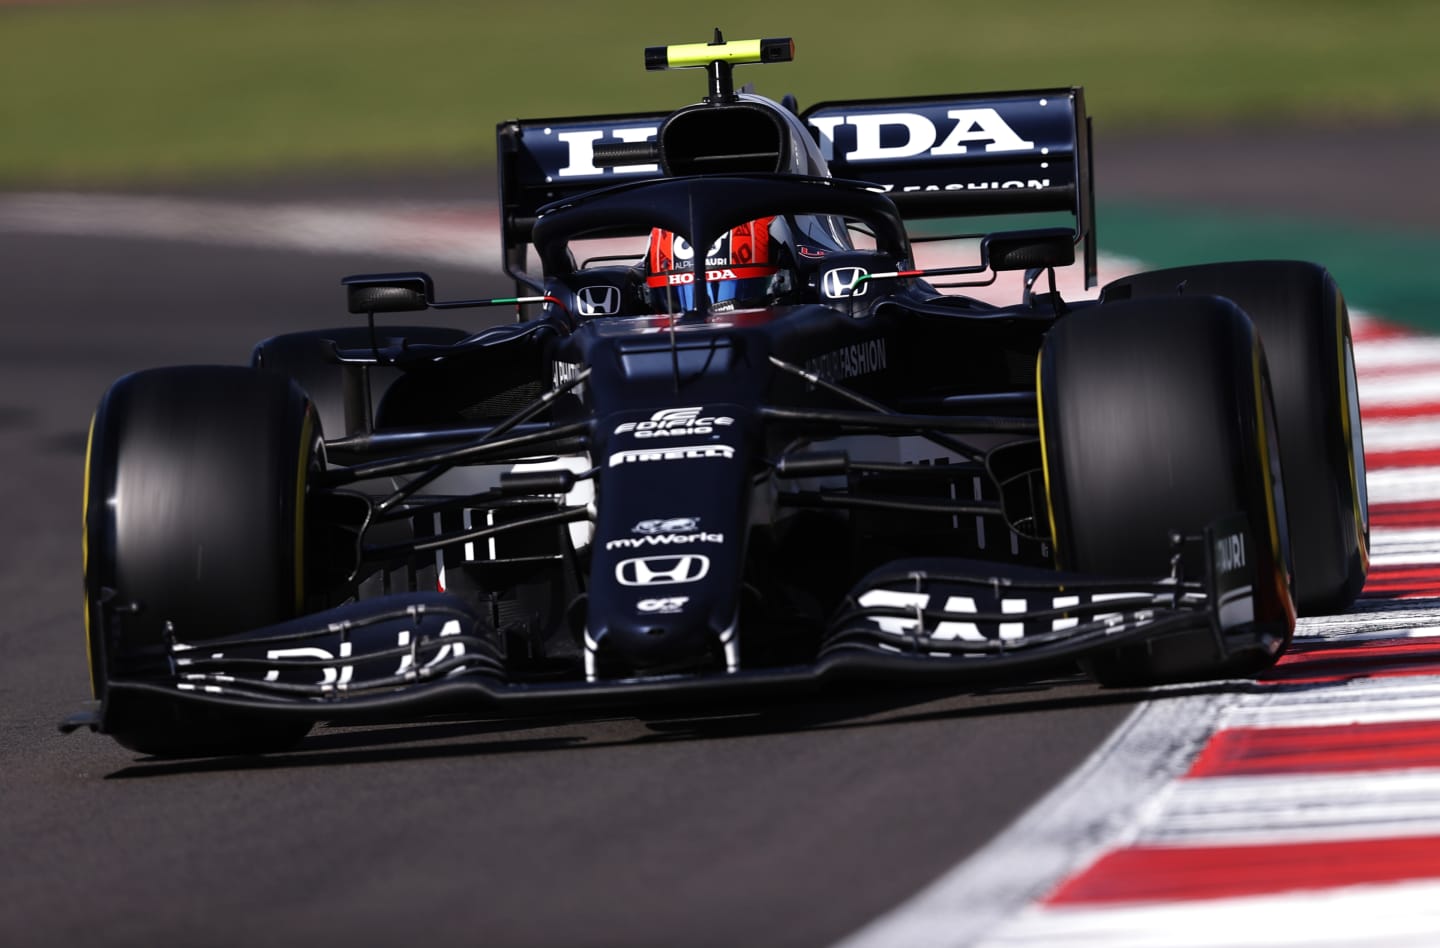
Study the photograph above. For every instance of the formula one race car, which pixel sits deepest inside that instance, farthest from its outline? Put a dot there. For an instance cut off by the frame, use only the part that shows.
(788, 461)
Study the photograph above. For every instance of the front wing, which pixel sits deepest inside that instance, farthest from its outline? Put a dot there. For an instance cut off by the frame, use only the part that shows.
(935, 620)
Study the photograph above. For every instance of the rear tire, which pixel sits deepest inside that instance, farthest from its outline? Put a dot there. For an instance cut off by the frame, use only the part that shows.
(1154, 419)
(194, 520)
(1304, 327)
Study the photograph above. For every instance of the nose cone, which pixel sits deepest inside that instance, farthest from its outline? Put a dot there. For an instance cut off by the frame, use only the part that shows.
(664, 601)
(667, 559)
(664, 637)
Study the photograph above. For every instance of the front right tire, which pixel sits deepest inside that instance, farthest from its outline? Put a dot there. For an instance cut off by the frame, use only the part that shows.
(1304, 326)
(1156, 417)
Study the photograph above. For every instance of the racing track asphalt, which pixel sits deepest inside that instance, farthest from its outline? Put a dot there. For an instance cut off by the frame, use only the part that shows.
(788, 825)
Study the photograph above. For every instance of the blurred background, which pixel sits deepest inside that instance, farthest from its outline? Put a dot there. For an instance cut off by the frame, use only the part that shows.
(1314, 123)
(124, 91)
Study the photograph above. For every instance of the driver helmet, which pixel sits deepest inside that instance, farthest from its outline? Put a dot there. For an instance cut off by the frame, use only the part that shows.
(748, 267)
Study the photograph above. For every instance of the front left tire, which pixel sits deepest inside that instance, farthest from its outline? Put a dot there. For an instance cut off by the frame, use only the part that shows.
(194, 528)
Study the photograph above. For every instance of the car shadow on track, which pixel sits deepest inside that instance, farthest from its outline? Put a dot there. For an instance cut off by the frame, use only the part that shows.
(452, 737)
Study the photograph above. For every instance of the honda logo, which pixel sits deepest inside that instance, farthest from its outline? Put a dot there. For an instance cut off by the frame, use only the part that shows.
(662, 570)
(580, 149)
(839, 283)
(890, 136)
(599, 301)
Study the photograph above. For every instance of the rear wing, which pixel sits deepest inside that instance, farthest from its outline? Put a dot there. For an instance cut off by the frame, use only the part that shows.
(968, 155)
(935, 156)
(544, 160)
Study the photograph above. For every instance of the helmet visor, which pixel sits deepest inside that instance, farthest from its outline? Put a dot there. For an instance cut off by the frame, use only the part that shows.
(727, 287)
(738, 269)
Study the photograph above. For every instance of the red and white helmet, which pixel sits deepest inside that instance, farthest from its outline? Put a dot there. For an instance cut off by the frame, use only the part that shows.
(749, 266)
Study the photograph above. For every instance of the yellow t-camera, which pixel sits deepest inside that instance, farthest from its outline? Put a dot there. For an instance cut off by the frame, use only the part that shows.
(696, 55)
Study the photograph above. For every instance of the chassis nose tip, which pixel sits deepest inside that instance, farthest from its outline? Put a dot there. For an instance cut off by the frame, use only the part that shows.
(657, 644)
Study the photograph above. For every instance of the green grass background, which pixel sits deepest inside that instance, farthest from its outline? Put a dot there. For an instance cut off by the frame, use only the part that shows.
(114, 91)
(1382, 271)
(123, 92)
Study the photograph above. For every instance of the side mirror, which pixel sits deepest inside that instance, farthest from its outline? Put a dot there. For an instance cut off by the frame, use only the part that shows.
(388, 292)
(1029, 249)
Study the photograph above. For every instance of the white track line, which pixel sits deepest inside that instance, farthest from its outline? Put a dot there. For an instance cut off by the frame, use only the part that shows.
(1390, 355)
(1390, 390)
(1392, 546)
(1291, 808)
(1407, 434)
(443, 233)
(1403, 484)
(1372, 701)
(1402, 915)
(1128, 792)
(1092, 811)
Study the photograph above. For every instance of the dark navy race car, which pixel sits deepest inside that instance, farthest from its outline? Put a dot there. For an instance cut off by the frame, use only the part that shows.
(738, 441)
